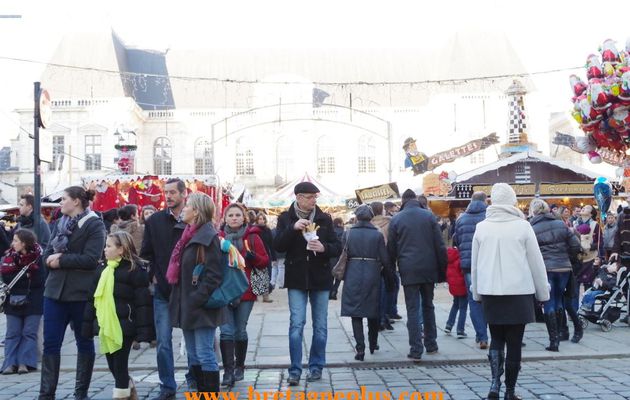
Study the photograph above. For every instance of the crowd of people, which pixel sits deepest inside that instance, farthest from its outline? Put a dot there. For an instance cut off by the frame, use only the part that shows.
(130, 277)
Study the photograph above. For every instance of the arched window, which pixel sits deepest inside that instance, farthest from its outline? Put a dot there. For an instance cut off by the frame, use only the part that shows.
(325, 156)
(367, 155)
(244, 157)
(284, 159)
(203, 157)
(162, 156)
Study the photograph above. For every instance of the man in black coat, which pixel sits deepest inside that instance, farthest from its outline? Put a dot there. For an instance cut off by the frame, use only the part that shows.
(415, 242)
(307, 275)
(26, 220)
(161, 233)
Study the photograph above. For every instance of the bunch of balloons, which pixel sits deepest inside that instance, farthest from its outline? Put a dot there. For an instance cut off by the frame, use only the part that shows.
(602, 104)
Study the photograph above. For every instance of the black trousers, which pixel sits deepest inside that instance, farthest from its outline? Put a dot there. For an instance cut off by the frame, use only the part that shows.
(118, 363)
(357, 330)
(510, 336)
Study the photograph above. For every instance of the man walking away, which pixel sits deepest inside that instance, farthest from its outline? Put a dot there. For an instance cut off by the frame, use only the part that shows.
(415, 242)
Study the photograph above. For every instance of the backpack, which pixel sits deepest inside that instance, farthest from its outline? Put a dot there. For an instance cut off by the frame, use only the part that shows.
(234, 283)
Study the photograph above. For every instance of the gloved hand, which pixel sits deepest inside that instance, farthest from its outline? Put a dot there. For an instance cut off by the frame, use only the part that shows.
(249, 255)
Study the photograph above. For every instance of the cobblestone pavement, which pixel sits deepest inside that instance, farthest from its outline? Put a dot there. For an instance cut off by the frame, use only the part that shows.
(553, 379)
(268, 340)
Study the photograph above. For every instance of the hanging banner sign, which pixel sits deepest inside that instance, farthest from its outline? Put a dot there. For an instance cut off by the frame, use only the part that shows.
(378, 193)
(462, 151)
(527, 189)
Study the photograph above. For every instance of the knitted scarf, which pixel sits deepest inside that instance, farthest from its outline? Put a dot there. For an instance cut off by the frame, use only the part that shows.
(175, 263)
(110, 335)
(310, 215)
(65, 226)
(13, 261)
(235, 236)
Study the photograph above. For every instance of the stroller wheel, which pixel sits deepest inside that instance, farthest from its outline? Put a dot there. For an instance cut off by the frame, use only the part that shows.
(606, 325)
(583, 322)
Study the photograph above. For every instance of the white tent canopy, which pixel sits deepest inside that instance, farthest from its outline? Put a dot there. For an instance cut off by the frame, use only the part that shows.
(284, 196)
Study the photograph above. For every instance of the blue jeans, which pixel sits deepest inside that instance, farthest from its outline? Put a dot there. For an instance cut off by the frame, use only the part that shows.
(476, 314)
(57, 316)
(20, 343)
(236, 326)
(420, 312)
(200, 348)
(460, 304)
(319, 314)
(164, 335)
(558, 282)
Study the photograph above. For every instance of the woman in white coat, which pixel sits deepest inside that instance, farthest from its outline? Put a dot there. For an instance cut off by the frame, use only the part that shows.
(507, 270)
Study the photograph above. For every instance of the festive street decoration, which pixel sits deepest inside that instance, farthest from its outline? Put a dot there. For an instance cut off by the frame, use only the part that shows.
(421, 163)
(601, 105)
(126, 158)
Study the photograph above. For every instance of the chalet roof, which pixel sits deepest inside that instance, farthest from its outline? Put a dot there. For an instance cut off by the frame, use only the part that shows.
(526, 157)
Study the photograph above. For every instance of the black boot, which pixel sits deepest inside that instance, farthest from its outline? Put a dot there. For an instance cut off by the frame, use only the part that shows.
(552, 329)
(360, 355)
(563, 328)
(373, 334)
(227, 355)
(50, 376)
(496, 359)
(578, 332)
(511, 376)
(240, 351)
(85, 365)
(195, 374)
(209, 382)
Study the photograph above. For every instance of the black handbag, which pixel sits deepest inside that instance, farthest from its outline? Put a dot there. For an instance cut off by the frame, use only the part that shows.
(5, 290)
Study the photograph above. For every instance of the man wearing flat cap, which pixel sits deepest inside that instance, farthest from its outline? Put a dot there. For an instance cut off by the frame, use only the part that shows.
(306, 234)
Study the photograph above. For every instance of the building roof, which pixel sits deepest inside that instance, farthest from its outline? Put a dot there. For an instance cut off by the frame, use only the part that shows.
(526, 156)
(468, 54)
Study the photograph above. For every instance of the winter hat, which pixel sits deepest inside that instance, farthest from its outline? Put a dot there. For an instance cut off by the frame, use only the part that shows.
(364, 213)
(408, 195)
(503, 194)
(305, 187)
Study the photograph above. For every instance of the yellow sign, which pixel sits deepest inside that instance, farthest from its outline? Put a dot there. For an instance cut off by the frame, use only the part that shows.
(561, 189)
(377, 193)
(520, 190)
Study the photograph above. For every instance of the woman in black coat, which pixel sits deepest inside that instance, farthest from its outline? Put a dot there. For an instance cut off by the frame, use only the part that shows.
(199, 244)
(72, 258)
(558, 246)
(367, 260)
(20, 346)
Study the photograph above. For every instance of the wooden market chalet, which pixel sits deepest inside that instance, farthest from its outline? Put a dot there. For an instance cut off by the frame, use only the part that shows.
(529, 172)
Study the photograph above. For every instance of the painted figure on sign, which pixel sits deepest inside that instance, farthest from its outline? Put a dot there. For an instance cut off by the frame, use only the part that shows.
(415, 160)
